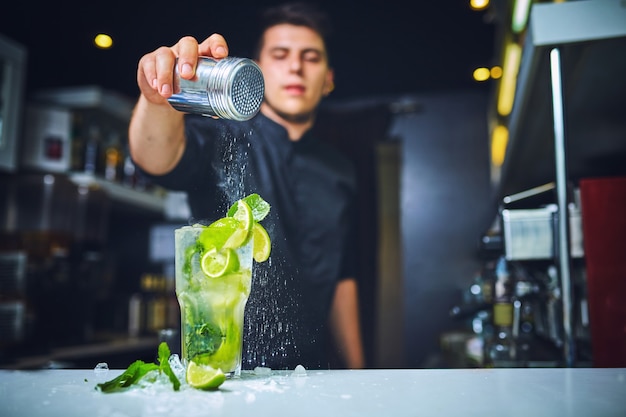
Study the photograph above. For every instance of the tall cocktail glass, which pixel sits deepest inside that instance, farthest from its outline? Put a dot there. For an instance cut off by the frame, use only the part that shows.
(212, 308)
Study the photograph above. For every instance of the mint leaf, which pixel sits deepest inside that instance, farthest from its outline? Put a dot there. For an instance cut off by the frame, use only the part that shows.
(164, 365)
(164, 353)
(138, 370)
(130, 376)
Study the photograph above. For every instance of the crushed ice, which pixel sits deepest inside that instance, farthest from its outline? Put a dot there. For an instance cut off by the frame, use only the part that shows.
(262, 371)
(177, 367)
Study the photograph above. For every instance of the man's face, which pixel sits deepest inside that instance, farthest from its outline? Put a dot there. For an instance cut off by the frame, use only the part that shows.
(295, 68)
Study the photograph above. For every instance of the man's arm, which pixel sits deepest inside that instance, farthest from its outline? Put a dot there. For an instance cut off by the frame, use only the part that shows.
(345, 323)
(156, 136)
(156, 133)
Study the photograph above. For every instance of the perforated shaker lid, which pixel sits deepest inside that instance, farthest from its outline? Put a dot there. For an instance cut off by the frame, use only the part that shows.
(241, 86)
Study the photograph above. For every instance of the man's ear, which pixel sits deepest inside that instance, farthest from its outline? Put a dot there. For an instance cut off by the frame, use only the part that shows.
(329, 83)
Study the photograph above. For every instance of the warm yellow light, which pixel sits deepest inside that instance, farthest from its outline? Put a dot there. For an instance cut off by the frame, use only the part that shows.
(496, 72)
(103, 41)
(479, 4)
(508, 82)
(499, 140)
(481, 74)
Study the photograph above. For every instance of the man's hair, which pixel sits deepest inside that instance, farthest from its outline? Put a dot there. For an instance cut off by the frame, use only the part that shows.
(298, 14)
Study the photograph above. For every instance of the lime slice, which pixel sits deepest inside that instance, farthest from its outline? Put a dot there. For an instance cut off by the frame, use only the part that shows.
(216, 263)
(204, 376)
(217, 233)
(221, 231)
(261, 242)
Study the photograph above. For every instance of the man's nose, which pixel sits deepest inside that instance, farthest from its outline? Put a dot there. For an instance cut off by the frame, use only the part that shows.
(295, 64)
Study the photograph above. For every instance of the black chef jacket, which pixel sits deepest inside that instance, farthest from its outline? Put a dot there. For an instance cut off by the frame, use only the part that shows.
(312, 192)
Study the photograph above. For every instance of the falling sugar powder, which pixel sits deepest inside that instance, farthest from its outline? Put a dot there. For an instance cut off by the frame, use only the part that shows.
(233, 167)
(272, 314)
(271, 317)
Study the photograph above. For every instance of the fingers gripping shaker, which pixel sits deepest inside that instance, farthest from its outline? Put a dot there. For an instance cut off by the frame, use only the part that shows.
(230, 88)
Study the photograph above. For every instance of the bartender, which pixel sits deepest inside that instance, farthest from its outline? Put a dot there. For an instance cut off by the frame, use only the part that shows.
(308, 289)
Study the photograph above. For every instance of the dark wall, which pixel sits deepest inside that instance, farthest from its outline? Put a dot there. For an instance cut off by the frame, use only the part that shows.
(355, 129)
(445, 204)
(445, 194)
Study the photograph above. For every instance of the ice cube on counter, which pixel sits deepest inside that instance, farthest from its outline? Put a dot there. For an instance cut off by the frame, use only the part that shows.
(101, 368)
(299, 371)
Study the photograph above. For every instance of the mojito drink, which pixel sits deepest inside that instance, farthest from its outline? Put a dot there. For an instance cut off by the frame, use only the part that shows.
(213, 282)
(212, 308)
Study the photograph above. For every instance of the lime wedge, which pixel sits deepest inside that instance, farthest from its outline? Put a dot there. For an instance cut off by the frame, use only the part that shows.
(262, 244)
(244, 215)
(260, 208)
(216, 263)
(204, 376)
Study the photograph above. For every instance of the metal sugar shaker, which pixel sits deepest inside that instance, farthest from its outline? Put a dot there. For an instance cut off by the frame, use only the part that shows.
(229, 88)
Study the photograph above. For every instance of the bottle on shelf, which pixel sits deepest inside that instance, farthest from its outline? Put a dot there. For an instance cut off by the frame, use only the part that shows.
(501, 349)
(92, 150)
(113, 158)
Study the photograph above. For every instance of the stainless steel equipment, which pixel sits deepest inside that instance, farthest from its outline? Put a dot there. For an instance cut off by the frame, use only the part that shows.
(530, 233)
(230, 88)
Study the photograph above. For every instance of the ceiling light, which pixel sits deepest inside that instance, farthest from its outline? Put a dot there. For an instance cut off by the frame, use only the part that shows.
(481, 74)
(103, 41)
(496, 72)
(479, 4)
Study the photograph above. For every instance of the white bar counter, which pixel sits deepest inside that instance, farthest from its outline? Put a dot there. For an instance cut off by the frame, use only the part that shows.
(409, 392)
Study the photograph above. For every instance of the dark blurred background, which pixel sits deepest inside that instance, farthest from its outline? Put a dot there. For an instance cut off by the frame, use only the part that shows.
(377, 48)
(86, 248)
